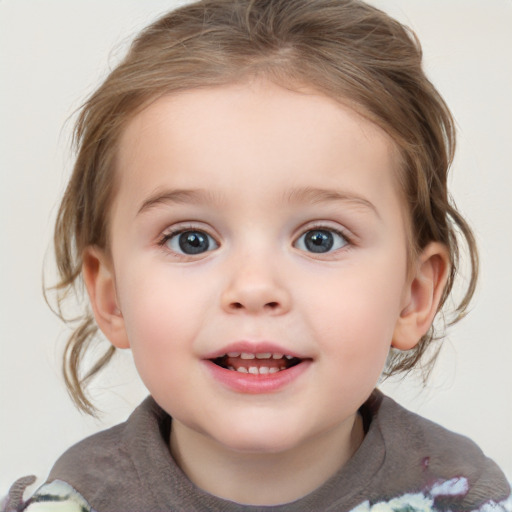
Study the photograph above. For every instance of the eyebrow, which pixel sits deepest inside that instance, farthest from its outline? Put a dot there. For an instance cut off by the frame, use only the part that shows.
(179, 196)
(296, 195)
(321, 195)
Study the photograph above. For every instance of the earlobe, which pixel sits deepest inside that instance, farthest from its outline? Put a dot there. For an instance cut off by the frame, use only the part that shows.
(424, 292)
(100, 283)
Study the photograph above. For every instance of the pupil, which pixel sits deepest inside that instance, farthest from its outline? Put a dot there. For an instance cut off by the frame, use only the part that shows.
(319, 241)
(193, 242)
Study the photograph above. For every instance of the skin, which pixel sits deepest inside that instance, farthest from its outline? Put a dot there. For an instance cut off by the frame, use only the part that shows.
(266, 165)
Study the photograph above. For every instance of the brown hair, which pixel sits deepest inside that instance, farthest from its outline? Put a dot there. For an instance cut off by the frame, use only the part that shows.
(345, 49)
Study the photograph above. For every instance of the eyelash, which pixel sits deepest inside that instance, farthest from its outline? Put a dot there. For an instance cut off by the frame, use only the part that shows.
(323, 227)
(168, 235)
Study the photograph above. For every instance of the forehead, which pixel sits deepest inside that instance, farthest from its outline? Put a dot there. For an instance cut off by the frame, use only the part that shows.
(237, 137)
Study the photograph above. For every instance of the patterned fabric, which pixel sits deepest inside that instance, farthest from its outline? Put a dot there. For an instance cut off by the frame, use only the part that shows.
(425, 501)
(59, 496)
(56, 496)
(404, 464)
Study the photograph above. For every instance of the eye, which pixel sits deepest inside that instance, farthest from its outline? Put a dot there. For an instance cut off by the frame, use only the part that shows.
(190, 242)
(321, 241)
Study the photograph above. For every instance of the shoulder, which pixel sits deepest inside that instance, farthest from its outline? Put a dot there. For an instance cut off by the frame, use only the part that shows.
(87, 463)
(444, 463)
(105, 471)
(107, 468)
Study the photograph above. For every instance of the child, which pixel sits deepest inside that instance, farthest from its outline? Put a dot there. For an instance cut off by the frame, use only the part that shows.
(259, 211)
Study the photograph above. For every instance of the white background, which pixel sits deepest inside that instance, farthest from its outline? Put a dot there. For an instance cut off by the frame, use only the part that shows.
(53, 53)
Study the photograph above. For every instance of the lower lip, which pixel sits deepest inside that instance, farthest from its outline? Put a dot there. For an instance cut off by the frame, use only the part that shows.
(256, 384)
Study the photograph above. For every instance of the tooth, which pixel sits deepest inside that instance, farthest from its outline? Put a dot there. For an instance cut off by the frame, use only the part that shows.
(289, 357)
(277, 356)
(245, 355)
(233, 354)
(264, 355)
(264, 370)
(242, 369)
(273, 370)
(282, 368)
(231, 368)
(253, 370)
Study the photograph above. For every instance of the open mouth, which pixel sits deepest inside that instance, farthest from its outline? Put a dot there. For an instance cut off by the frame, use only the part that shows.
(256, 364)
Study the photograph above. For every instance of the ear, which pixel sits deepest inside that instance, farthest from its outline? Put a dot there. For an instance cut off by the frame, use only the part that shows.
(99, 280)
(422, 296)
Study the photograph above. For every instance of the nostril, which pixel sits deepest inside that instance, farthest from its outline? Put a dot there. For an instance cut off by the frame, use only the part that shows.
(268, 305)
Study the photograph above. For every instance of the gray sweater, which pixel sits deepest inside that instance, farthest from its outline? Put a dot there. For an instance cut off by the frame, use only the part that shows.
(405, 463)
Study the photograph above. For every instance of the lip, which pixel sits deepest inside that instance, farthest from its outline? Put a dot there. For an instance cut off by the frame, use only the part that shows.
(256, 384)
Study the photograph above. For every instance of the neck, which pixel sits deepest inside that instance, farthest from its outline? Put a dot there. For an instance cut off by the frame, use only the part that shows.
(264, 478)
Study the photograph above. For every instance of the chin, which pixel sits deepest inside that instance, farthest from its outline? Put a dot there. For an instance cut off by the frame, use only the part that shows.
(260, 446)
(256, 439)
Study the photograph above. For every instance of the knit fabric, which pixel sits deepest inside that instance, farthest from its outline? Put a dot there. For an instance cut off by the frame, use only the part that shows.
(404, 464)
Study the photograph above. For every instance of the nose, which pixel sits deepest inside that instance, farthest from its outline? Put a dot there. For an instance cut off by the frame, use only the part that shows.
(255, 288)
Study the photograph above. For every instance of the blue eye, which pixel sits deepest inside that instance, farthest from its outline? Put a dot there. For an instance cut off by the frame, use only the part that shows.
(190, 242)
(321, 241)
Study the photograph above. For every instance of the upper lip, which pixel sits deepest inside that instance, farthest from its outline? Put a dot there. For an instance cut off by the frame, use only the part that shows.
(251, 347)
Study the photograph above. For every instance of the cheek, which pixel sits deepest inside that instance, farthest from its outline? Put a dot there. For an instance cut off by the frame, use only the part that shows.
(154, 300)
(159, 318)
(357, 318)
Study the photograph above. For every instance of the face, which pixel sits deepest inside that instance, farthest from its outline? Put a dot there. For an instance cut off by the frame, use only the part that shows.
(258, 250)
